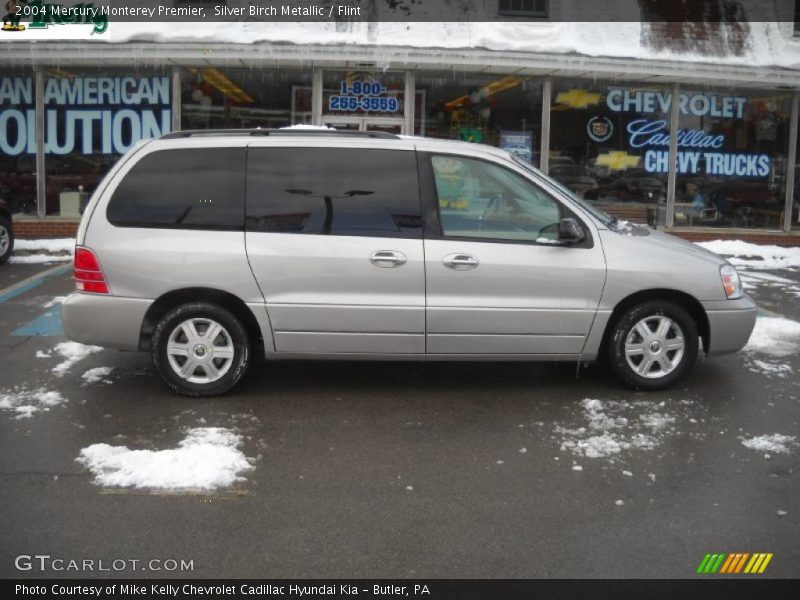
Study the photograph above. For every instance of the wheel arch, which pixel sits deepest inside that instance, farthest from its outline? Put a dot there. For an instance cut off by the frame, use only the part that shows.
(173, 298)
(686, 301)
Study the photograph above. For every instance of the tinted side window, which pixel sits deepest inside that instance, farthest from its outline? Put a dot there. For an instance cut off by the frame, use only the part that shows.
(333, 191)
(198, 188)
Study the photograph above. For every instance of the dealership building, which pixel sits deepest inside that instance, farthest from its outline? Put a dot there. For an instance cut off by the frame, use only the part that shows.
(688, 127)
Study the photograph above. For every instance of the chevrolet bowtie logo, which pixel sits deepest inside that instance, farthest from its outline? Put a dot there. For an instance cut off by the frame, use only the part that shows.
(577, 98)
(618, 160)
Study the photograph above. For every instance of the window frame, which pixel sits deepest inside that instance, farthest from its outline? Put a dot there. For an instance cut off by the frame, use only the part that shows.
(431, 217)
(333, 148)
(129, 166)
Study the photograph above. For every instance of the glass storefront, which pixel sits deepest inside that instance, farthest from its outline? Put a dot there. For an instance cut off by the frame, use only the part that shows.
(364, 100)
(18, 141)
(222, 98)
(499, 110)
(732, 159)
(91, 119)
(609, 143)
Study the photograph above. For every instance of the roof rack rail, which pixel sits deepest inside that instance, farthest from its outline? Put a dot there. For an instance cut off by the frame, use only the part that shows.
(385, 135)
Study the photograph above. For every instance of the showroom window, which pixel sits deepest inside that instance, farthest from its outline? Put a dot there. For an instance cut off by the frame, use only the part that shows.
(364, 100)
(18, 141)
(221, 98)
(609, 143)
(91, 119)
(194, 188)
(500, 110)
(333, 191)
(732, 158)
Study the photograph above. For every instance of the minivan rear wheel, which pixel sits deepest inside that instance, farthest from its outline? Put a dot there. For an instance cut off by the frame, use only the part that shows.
(200, 349)
(653, 345)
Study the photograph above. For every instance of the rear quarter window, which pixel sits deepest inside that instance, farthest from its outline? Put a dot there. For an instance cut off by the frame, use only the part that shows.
(197, 188)
(333, 191)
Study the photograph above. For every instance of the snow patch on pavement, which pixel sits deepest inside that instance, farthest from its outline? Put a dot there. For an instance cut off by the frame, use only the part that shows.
(73, 352)
(612, 427)
(25, 403)
(208, 458)
(58, 300)
(775, 443)
(775, 336)
(768, 368)
(97, 375)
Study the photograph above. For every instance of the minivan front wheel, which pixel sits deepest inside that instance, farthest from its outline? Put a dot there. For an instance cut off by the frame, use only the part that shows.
(200, 349)
(653, 345)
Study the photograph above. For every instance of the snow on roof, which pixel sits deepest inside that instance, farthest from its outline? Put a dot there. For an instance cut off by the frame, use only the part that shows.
(768, 43)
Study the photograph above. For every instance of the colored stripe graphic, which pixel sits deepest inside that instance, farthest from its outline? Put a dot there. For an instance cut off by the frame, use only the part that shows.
(703, 563)
(727, 564)
(711, 563)
(731, 567)
(764, 564)
(734, 563)
(740, 564)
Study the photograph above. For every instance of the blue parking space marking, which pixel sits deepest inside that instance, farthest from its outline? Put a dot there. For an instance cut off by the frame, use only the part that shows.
(48, 324)
(28, 284)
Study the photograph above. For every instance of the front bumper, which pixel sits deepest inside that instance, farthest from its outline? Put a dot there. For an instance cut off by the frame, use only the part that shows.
(106, 321)
(730, 324)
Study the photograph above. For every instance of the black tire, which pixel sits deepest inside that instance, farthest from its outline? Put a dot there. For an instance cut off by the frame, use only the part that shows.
(238, 339)
(622, 328)
(6, 229)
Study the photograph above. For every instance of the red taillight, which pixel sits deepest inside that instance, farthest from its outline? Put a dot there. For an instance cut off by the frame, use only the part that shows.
(88, 274)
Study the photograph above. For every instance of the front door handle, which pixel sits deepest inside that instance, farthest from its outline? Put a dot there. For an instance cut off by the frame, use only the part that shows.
(460, 262)
(388, 259)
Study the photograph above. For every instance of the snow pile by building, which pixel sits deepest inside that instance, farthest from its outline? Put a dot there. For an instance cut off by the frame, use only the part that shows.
(208, 458)
(43, 251)
(756, 256)
(25, 403)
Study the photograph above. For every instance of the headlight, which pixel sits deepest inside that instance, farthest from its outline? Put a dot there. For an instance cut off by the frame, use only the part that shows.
(731, 281)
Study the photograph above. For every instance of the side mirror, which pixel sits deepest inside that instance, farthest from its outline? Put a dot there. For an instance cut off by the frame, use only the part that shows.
(570, 231)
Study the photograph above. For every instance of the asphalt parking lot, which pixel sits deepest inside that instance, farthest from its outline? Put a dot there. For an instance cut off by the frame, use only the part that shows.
(402, 469)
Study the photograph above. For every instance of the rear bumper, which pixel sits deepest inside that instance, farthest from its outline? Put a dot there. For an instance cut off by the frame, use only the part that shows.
(730, 323)
(106, 321)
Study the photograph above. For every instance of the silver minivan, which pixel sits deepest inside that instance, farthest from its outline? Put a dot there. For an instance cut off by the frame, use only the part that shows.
(207, 248)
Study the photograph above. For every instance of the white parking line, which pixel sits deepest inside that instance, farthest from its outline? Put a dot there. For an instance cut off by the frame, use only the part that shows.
(23, 286)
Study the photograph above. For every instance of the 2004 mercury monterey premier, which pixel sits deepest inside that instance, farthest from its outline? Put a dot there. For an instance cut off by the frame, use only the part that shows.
(209, 247)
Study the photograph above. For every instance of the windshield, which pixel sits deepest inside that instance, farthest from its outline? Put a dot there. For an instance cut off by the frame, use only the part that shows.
(598, 214)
